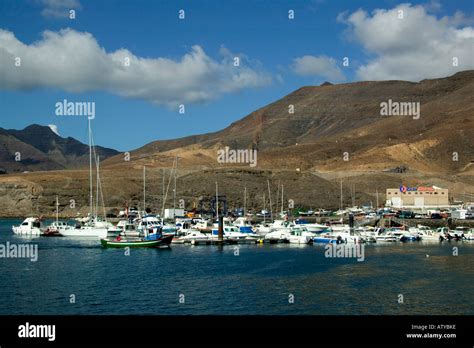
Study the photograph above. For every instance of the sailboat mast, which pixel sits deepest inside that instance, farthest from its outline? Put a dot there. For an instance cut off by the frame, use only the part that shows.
(270, 198)
(217, 203)
(57, 210)
(245, 199)
(278, 197)
(174, 191)
(264, 210)
(282, 198)
(144, 190)
(341, 195)
(97, 188)
(163, 206)
(90, 168)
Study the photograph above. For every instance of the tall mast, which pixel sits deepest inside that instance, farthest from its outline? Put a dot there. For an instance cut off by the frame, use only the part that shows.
(282, 198)
(264, 210)
(163, 206)
(353, 194)
(245, 199)
(90, 168)
(174, 191)
(144, 190)
(377, 198)
(217, 203)
(278, 197)
(97, 188)
(341, 195)
(270, 198)
(57, 210)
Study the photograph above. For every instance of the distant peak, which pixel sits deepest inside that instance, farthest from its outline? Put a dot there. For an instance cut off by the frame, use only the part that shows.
(326, 83)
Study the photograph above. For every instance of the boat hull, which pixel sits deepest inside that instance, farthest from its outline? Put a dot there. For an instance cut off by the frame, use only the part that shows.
(162, 242)
(84, 232)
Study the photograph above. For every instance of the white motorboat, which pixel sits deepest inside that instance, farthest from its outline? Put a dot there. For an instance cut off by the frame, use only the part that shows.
(192, 236)
(346, 237)
(263, 229)
(244, 225)
(151, 221)
(278, 236)
(232, 232)
(462, 232)
(312, 227)
(300, 235)
(128, 229)
(29, 226)
(368, 233)
(387, 237)
(425, 233)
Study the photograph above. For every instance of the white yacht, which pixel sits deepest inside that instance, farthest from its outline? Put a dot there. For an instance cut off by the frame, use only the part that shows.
(192, 236)
(300, 235)
(84, 231)
(312, 227)
(232, 232)
(425, 233)
(30, 226)
(262, 229)
(368, 233)
(128, 229)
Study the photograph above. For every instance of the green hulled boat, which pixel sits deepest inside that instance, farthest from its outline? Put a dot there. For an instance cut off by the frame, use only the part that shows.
(156, 243)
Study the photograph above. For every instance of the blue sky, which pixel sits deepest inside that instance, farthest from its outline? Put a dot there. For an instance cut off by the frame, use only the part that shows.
(272, 48)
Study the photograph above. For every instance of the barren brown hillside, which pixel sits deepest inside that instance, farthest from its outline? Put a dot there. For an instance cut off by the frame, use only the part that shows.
(335, 133)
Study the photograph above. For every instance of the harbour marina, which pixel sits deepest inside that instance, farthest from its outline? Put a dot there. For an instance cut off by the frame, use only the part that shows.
(242, 278)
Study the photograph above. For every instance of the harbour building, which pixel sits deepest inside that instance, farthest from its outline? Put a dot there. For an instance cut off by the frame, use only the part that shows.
(417, 197)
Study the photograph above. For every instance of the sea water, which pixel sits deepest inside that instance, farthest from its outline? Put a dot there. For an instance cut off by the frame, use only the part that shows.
(72, 276)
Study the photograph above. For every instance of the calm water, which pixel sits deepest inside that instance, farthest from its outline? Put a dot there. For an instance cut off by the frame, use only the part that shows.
(215, 281)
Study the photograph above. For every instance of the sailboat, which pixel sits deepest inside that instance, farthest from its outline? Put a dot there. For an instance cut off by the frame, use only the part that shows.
(89, 229)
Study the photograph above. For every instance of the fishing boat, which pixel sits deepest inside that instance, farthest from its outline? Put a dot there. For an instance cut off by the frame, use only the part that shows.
(155, 239)
(130, 243)
(29, 226)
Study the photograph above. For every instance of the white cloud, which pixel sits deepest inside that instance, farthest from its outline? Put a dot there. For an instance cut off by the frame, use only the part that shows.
(320, 66)
(59, 8)
(74, 61)
(54, 128)
(416, 47)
